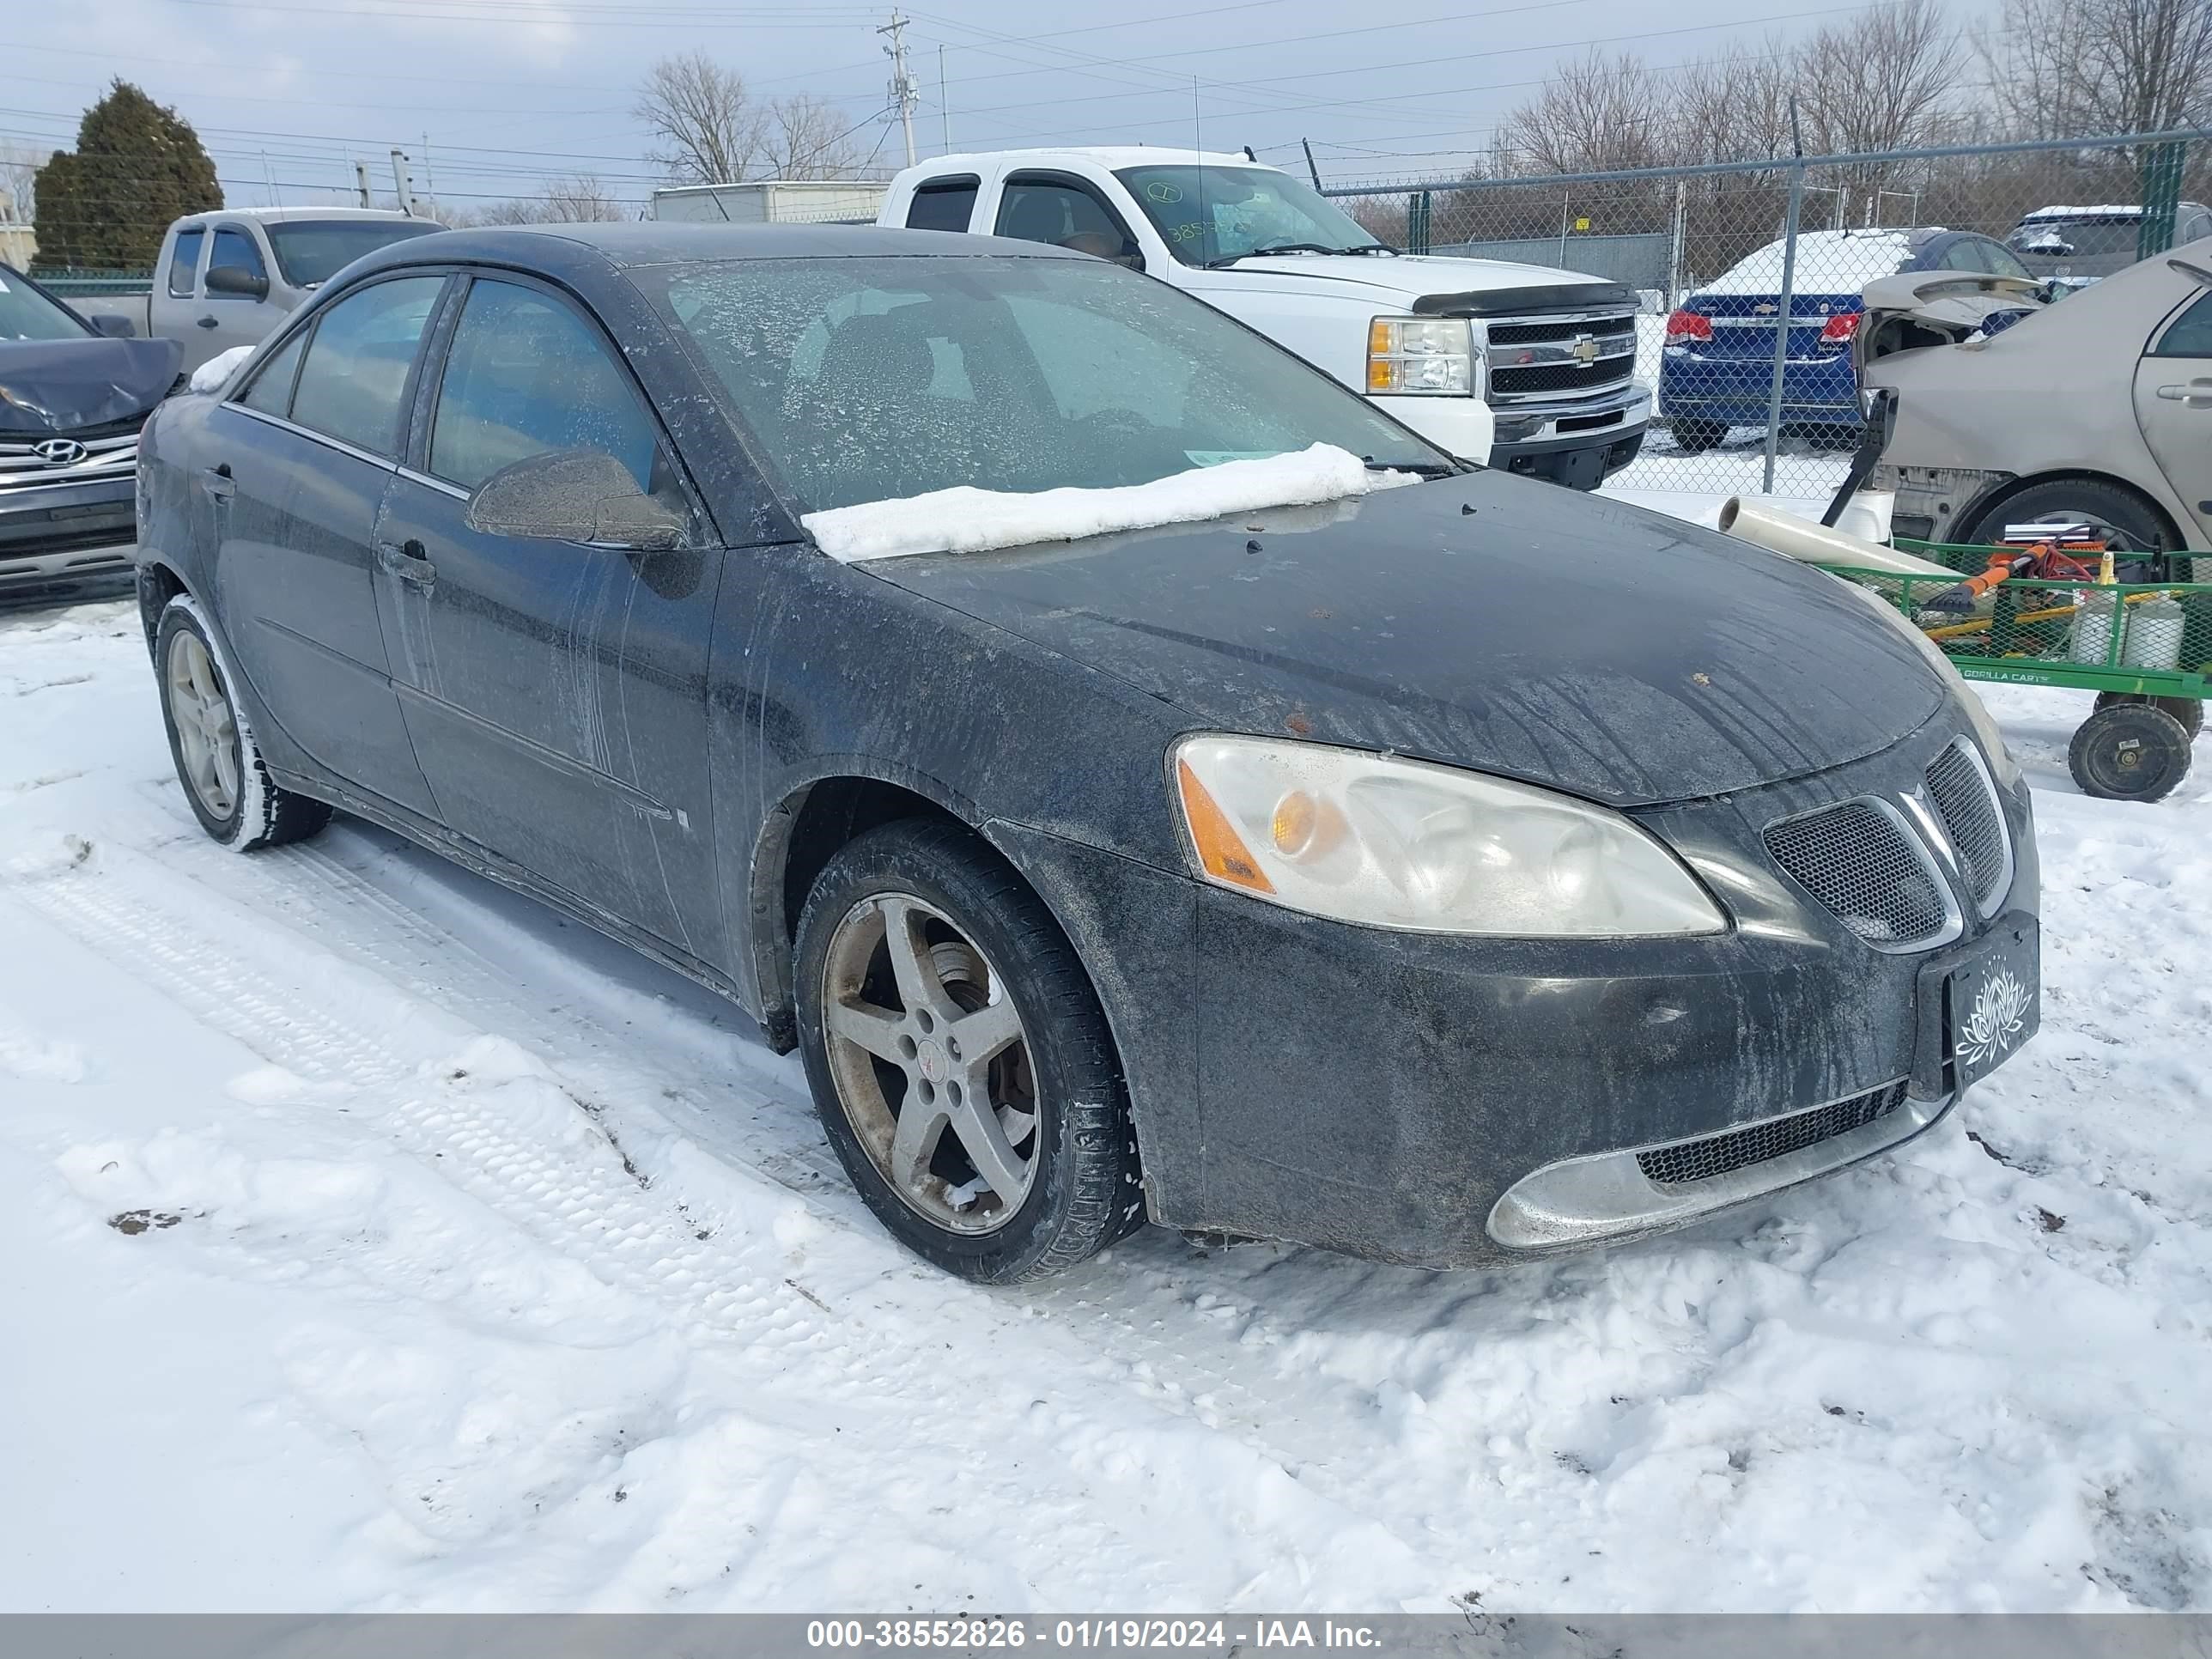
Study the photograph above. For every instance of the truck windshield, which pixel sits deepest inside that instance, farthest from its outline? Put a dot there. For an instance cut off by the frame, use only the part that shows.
(1208, 214)
(310, 251)
(2085, 239)
(874, 379)
(28, 314)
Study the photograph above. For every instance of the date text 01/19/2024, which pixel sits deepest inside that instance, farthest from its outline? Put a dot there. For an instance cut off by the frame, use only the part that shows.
(975, 1631)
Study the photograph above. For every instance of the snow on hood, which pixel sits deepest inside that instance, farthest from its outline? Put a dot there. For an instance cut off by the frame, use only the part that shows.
(2109, 211)
(1828, 261)
(63, 385)
(211, 376)
(965, 520)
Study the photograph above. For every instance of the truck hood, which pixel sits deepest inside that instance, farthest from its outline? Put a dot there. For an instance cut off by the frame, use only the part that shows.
(1404, 278)
(64, 385)
(1558, 638)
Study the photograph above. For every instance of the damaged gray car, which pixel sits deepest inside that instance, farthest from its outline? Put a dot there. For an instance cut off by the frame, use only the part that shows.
(1142, 780)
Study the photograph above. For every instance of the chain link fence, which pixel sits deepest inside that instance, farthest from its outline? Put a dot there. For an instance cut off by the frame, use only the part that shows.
(1751, 273)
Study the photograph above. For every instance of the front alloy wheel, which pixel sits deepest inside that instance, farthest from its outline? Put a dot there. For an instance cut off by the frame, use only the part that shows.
(206, 730)
(959, 1058)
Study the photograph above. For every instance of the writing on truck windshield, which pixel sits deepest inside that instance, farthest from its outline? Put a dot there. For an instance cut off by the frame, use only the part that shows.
(879, 380)
(1206, 215)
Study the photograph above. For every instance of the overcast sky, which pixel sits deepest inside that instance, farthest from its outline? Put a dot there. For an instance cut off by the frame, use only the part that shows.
(489, 96)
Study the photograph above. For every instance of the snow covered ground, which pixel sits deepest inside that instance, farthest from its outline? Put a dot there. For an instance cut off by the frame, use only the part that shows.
(371, 1238)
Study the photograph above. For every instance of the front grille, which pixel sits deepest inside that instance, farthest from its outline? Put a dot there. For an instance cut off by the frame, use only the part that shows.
(1613, 334)
(1859, 860)
(1735, 1149)
(1966, 802)
(110, 455)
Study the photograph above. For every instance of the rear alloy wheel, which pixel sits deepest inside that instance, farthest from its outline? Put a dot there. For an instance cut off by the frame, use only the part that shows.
(1695, 437)
(2129, 752)
(227, 783)
(2126, 523)
(959, 1058)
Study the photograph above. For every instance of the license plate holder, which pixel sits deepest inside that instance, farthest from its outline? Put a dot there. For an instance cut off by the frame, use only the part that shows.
(1984, 1003)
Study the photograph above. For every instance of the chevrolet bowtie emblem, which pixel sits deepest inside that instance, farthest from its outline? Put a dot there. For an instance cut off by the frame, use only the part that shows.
(1585, 350)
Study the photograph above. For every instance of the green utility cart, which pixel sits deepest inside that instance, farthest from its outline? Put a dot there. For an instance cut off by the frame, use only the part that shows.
(2145, 649)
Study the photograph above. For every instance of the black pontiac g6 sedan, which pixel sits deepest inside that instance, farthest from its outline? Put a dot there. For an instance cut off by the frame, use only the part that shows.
(1446, 873)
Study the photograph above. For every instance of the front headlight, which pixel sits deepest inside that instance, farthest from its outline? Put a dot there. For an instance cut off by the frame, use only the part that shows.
(1400, 843)
(1432, 356)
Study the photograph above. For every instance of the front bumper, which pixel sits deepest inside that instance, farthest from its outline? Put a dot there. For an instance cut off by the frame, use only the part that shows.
(1577, 444)
(1450, 1101)
(58, 536)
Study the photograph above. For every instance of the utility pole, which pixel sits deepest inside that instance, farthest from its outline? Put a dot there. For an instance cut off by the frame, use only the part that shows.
(943, 109)
(360, 183)
(902, 86)
(399, 180)
(429, 178)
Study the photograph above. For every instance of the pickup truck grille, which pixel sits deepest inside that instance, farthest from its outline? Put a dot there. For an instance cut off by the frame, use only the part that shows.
(1561, 358)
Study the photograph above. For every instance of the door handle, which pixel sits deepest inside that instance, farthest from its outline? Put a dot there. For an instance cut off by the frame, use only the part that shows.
(2197, 394)
(207, 322)
(216, 481)
(410, 561)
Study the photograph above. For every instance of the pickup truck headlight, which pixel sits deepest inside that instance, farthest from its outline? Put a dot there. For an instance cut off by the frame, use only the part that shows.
(1423, 355)
(1387, 842)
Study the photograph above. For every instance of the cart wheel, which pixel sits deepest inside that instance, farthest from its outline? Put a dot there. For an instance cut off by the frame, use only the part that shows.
(2130, 751)
(2188, 712)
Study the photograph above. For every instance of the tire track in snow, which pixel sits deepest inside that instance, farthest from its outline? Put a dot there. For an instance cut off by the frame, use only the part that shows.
(572, 1194)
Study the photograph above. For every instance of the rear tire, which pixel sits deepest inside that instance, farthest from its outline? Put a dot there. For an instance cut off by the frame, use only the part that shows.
(2137, 527)
(1695, 437)
(225, 780)
(2129, 753)
(1035, 1093)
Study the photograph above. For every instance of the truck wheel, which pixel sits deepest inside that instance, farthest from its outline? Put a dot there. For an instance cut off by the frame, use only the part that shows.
(225, 780)
(2129, 753)
(959, 1058)
(2188, 712)
(1695, 437)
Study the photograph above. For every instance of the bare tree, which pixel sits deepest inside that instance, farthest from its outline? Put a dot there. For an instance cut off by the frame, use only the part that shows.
(2084, 68)
(1602, 111)
(805, 137)
(706, 129)
(19, 181)
(579, 198)
(1881, 80)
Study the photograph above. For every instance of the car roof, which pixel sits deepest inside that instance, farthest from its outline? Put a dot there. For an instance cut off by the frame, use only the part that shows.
(662, 242)
(1110, 156)
(270, 215)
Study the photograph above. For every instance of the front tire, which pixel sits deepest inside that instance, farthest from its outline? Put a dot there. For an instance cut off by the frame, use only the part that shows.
(225, 781)
(1695, 437)
(2130, 524)
(959, 1060)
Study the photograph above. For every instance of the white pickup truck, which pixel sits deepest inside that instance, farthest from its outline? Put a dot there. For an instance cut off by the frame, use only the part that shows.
(227, 279)
(1528, 368)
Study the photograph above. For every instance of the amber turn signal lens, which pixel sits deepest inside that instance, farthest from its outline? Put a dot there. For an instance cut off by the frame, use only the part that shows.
(1220, 850)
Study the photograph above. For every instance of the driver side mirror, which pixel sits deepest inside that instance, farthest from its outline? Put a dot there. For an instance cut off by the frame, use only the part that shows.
(575, 496)
(239, 281)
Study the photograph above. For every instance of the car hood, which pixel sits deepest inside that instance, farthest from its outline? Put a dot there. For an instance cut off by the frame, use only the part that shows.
(64, 385)
(1404, 278)
(1482, 621)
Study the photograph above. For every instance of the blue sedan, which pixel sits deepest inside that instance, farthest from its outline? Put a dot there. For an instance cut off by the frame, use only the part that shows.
(1716, 369)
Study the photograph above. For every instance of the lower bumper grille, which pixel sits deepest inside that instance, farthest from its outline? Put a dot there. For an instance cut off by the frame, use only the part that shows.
(1715, 1155)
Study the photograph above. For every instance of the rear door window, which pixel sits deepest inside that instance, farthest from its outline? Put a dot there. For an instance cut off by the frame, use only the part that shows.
(185, 262)
(355, 373)
(943, 204)
(527, 376)
(2190, 333)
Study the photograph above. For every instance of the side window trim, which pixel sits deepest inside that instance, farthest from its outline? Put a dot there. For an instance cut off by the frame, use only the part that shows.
(422, 403)
(1074, 181)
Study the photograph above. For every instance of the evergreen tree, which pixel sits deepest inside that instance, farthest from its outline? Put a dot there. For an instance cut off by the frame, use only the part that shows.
(137, 167)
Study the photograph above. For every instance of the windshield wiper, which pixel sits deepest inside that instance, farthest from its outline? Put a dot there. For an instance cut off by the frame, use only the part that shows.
(1272, 247)
(1369, 247)
(1418, 469)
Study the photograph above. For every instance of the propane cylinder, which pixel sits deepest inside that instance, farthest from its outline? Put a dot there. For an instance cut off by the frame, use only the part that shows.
(2154, 637)
(2095, 611)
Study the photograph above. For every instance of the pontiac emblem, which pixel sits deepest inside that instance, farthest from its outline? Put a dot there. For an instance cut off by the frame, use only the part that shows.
(60, 452)
(1584, 350)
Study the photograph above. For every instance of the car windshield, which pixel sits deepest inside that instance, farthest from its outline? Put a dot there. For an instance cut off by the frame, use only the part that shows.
(310, 251)
(28, 314)
(1209, 214)
(2083, 239)
(875, 380)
